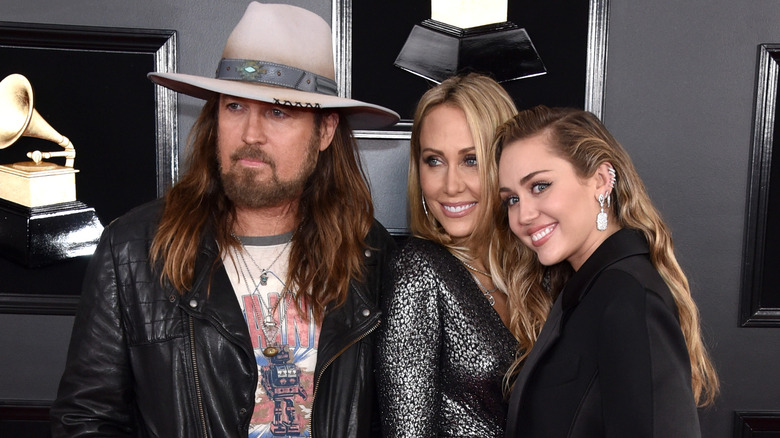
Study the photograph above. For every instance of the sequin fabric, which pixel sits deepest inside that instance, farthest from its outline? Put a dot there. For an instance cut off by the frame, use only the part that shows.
(442, 350)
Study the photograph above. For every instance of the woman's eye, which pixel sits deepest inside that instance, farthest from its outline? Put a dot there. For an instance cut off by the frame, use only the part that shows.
(432, 161)
(511, 200)
(539, 187)
(470, 160)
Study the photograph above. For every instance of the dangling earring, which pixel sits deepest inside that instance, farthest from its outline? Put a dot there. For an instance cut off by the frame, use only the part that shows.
(601, 218)
(425, 208)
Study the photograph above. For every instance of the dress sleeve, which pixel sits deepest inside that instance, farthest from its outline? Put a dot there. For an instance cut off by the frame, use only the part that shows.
(409, 349)
(95, 396)
(644, 370)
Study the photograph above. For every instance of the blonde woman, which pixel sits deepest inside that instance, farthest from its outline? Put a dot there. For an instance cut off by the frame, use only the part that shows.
(621, 352)
(444, 343)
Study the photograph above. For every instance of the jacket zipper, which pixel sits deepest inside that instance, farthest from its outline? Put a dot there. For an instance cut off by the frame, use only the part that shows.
(198, 391)
(325, 367)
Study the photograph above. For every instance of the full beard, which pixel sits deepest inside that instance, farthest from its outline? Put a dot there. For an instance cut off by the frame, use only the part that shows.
(241, 185)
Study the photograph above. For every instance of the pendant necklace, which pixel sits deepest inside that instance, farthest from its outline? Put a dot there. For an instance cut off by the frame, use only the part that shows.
(487, 293)
(269, 326)
(264, 272)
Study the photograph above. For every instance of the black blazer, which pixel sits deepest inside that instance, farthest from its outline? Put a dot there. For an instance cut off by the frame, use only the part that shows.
(611, 360)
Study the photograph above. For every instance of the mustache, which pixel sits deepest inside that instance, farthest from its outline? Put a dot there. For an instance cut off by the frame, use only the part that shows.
(252, 152)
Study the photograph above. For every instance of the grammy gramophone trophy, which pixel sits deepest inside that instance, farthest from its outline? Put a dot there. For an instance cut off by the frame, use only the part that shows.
(41, 222)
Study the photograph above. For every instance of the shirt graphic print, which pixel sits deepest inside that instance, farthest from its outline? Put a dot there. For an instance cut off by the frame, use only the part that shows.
(285, 389)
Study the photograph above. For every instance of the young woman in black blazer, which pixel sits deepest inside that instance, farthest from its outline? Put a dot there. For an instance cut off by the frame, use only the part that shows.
(621, 352)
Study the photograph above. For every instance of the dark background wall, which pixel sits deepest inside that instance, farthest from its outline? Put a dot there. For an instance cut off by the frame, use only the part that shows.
(680, 96)
(680, 92)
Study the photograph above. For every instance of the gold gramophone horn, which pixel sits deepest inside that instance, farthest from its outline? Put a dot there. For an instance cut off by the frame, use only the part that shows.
(19, 118)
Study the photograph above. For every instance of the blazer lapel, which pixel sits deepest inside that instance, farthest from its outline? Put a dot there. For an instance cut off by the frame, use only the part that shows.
(549, 335)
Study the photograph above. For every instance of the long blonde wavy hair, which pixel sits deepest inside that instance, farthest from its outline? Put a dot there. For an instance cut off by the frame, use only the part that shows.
(486, 105)
(581, 139)
(335, 215)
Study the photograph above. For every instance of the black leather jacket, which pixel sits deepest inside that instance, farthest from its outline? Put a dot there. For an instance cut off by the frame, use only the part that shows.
(144, 361)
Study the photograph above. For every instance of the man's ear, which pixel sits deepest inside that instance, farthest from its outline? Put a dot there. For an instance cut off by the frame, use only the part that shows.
(328, 125)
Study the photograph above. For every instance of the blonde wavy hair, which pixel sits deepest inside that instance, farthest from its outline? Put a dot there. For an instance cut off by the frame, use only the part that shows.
(486, 105)
(581, 139)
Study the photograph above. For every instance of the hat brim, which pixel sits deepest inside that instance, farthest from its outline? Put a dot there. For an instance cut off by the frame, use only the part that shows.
(361, 115)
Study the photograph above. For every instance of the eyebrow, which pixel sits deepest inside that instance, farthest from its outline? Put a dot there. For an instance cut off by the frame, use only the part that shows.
(437, 151)
(525, 179)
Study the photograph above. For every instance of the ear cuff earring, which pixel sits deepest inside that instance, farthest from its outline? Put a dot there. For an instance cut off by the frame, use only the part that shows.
(612, 177)
(601, 218)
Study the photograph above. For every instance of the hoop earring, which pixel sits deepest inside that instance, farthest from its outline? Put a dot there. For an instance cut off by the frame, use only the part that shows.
(601, 218)
(425, 208)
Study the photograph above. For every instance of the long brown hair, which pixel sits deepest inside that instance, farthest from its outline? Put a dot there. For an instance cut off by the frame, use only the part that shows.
(581, 139)
(335, 215)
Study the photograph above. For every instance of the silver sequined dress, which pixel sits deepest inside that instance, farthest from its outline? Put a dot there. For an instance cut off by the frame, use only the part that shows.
(443, 350)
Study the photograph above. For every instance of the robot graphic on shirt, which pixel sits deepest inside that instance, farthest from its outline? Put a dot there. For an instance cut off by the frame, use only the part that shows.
(281, 381)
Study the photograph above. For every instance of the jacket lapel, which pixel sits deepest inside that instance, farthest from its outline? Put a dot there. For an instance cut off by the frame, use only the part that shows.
(620, 245)
(212, 296)
(547, 338)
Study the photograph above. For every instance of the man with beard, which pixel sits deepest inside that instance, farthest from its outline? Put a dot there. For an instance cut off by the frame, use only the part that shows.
(244, 303)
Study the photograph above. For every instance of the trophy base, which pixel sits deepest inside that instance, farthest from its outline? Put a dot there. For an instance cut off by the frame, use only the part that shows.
(40, 236)
(37, 188)
(436, 51)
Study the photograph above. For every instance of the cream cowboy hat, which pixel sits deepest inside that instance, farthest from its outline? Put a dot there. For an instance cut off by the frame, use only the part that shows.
(280, 54)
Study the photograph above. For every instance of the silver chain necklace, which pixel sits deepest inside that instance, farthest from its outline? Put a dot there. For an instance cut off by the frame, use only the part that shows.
(263, 272)
(270, 326)
(487, 293)
(486, 274)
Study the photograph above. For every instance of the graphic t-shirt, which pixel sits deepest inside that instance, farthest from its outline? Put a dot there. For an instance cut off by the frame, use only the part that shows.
(285, 387)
